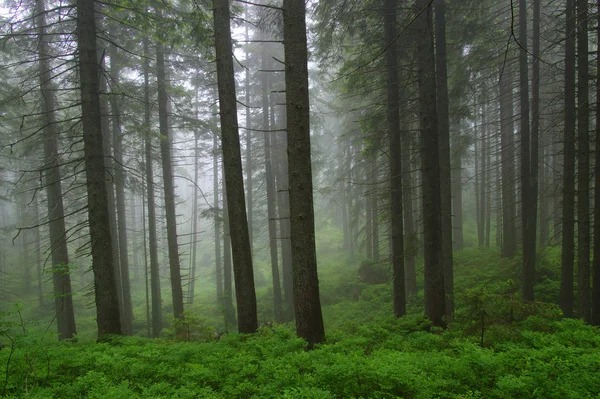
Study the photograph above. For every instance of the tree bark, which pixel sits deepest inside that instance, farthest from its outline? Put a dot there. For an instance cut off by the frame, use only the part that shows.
(435, 297)
(396, 154)
(217, 220)
(583, 163)
(309, 319)
(232, 167)
(152, 229)
(119, 176)
(568, 207)
(249, 192)
(61, 278)
(444, 149)
(596, 264)
(105, 288)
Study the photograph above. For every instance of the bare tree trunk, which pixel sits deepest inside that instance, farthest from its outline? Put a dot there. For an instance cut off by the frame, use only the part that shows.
(396, 154)
(249, 193)
(227, 299)
(307, 306)
(509, 215)
(444, 149)
(435, 297)
(596, 264)
(568, 207)
(119, 176)
(271, 198)
(232, 167)
(107, 307)
(583, 163)
(61, 278)
(217, 220)
(152, 228)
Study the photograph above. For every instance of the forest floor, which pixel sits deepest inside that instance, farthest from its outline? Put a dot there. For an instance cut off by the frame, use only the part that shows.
(496, 347)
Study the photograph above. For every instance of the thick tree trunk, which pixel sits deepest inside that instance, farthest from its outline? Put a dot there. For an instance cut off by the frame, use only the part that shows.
(435, 297)
(232, 167)
(309, 320)
(61, 278)
(227, 299)
(119, 176)
(568, 207)
(105, 288)
(152, 229)
(596, 264)
(509, 215)
(583, 163)
(444, 149)
(396, 154)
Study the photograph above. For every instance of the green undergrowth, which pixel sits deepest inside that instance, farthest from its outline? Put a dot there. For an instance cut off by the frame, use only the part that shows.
(497, 346)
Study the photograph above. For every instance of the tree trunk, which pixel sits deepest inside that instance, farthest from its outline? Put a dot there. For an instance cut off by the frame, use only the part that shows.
(309, 320)
(168, 185)
(61, 278)
(444, 149)
(568, 207)
(396, 154)
(583, 163)
(271, 198)
(152, 229)
(596, 265)
(227, 300)
(528, 195)
(435, 297)
(119, 176)
(249, 193)
(105, 288)
(232, 167)
(509, 215)
(217, 220)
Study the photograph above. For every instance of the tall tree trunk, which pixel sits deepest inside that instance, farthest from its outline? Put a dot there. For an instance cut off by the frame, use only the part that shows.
(509, 215)
(410, 232)
(232, 167)
(596, 265)
(368, 196)
(168, 185)
(227, 300)
(194, 243)
(444, 149)
(396, 154)
(61, 278)
(583, 163)
(249, 194)
(479, 209)
(309, 319)
(457, 202)
(528, 195)
(568, 207)
(119, 176)
(271, 198)
(152, 228)
(105, 288)
(435, 297)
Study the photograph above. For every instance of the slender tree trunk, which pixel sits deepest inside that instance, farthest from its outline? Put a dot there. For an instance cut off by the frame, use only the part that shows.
(479, 210)
(435, 297)
(568, 207)
(232, 167)
(249, 194)
(119, 176)
(309, 320)
(528, 163)
(105, 288)
(194, 243)
(227, 300)
(457, 207)
(444, 149)
(596, 264)
(368, 196)
(396, 154)
(61, 278)
(509, 215)
(583, 163)
(152, 228)
(271, 198)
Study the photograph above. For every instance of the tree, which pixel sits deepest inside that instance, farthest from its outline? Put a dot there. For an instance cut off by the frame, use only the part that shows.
(596, 265)
(61, 278)
(105, 289)
(435, 306)
(393, 122)
(307, 306)
(232, 167)
(583, 162)
(568, 207)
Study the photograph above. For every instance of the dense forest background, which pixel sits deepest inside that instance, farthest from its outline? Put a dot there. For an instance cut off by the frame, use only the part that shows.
(354, 171)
